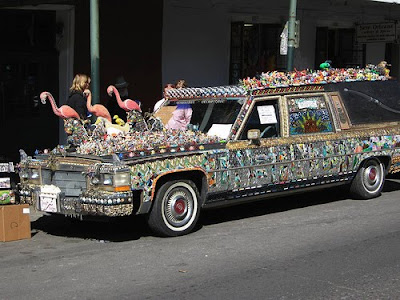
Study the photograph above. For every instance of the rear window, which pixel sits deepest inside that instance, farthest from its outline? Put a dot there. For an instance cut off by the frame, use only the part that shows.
(361, 108)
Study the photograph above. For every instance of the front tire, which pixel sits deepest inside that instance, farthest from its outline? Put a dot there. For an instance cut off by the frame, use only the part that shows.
(369, 180)
(176, 208)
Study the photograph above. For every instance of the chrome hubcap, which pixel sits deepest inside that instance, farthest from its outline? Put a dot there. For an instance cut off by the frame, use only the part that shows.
(178, 207)
(372, 178)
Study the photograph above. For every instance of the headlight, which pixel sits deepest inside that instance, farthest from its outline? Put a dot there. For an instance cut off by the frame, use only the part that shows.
(118, 182)
(35, 174)
(107, 179)
(24, 175)
(30, 175)
(121, 179)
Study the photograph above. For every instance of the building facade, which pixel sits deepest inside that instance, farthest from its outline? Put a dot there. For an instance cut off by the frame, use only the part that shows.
(152, 43)
(218, 42)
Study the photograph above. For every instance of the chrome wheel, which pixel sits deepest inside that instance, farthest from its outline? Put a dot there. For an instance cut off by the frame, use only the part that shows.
(372, 176)
(369, 180)
(176, 208)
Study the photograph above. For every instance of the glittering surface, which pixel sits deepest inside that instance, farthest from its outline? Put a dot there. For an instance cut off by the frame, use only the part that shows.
(144, 143)
(313, 154)
(205, 92)
(139, 141)
(309, 122)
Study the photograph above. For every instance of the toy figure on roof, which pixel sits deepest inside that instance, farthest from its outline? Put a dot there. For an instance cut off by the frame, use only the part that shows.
(118, 120)
(112, 105)
(132, 109)
(64, 111)
(98, 110)
(73, 124)
(326, 65)
(126, 105)
(382, 68)
(332, 75)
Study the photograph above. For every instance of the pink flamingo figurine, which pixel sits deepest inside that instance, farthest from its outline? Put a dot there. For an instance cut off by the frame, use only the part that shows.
(98, 110)
(63, 111)
(127, 105)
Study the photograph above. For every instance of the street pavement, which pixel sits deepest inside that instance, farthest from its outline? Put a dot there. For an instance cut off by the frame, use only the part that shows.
(317, 245)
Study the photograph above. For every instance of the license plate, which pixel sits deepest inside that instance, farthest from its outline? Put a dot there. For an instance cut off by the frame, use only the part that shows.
(48, 203)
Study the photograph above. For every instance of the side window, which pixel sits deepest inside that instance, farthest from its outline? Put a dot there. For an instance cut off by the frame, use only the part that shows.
(265, 117)
(308, 115)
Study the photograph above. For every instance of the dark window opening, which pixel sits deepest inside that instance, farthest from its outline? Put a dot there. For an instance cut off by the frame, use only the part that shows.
(340, 47)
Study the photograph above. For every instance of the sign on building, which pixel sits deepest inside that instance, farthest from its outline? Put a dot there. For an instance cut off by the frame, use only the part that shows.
(378, 32)
(285, 36)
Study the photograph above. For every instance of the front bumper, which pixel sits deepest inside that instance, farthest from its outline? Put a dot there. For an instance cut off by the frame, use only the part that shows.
(93, 203)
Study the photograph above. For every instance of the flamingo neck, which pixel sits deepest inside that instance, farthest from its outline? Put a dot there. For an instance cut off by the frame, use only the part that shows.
(117, 95)
(56, 110)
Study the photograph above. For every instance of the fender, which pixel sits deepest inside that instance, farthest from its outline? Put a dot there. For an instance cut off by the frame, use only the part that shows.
(153, 187)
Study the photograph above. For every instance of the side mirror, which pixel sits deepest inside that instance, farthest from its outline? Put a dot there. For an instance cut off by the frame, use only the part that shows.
(254, 136)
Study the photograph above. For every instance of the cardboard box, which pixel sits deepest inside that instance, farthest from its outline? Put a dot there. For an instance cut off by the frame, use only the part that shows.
(15, 223)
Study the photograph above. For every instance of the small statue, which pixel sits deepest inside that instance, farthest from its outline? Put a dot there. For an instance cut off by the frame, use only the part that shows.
(382, 68)
(326, 65)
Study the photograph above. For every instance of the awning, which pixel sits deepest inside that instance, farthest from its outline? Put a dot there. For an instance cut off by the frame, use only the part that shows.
(388, 1)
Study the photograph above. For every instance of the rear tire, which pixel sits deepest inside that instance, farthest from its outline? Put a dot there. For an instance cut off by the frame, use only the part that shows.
(369, 180)
(176, 208)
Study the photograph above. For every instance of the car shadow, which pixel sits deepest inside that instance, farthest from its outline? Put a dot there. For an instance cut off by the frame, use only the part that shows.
(392, 183)
(273, 205)
(105, 230)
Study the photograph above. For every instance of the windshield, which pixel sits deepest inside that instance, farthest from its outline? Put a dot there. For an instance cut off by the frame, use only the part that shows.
(213, 117)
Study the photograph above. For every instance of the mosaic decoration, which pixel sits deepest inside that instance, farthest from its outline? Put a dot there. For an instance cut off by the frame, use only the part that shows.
(144, 175)
(273, 166)
(206, 92)
(76, 132)
(395, 167)
(287, 90)
(275, 79)
(313, 155)
(240, 119)
(277, 165)
(148, 143)
(313, 121)
(304, 103)
(296, 165)
(100, 204)
(140, 141)
(308, 115)
(155, 124)
(136, 121)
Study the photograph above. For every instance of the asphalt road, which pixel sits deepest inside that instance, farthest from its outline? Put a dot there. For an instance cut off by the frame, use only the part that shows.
(319, 245)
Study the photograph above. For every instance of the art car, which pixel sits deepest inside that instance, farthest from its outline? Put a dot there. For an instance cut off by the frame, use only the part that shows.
(280, 133)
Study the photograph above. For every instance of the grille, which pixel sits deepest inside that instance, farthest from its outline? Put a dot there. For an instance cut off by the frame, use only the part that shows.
(70, 183)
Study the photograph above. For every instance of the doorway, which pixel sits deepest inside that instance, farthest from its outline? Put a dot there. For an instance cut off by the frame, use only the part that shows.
(254, 49)
(28, 66)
